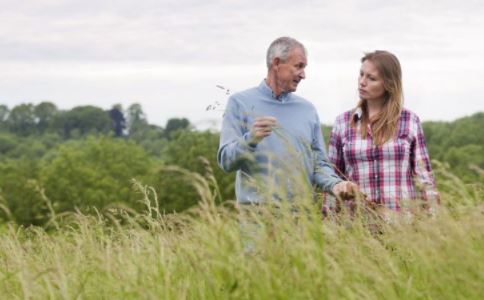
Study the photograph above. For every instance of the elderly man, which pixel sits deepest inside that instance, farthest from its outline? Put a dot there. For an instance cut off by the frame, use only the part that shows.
(273, 138)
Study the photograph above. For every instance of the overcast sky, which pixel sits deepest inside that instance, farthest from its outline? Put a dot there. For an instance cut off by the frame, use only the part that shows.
(169, 56)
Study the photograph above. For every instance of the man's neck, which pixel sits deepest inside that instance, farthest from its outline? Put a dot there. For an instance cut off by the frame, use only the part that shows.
(272, 83)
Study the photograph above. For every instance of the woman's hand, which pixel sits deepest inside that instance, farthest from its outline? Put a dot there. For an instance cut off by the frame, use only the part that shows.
(346, 190)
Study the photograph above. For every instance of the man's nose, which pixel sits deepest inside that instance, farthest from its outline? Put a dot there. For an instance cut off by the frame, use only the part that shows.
(302, 75)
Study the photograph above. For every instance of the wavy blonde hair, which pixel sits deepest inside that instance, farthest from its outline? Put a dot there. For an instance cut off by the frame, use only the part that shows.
(384, 124)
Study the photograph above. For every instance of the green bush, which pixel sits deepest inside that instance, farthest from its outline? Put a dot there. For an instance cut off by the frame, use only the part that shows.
(94, 172)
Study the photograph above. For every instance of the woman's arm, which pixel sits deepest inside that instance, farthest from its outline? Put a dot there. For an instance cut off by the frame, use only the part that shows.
(335, 152)
(421, 168)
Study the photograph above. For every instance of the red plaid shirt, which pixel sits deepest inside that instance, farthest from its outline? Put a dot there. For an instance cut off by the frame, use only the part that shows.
(388, 173)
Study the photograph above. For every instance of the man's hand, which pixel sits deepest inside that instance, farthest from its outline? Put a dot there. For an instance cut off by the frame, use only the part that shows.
(261, 128)
(346, 190)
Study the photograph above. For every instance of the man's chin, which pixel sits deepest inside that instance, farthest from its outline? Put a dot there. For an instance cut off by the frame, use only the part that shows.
(290, 89)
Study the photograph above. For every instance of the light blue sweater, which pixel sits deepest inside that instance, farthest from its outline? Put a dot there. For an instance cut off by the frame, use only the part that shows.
(282, 165)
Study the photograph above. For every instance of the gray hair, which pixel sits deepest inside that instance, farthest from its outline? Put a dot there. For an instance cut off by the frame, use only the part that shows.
(281, 47)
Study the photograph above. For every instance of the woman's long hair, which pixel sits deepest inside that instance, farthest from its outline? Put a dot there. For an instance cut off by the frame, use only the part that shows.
(384, 124)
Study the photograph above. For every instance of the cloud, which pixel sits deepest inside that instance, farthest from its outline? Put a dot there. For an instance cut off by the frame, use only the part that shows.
(102, 52)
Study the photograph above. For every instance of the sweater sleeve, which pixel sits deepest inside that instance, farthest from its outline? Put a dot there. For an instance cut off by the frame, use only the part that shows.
(234, 149)
(324, 176)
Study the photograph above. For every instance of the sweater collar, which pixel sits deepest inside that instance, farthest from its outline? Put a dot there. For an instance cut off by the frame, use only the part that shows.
(266, 90)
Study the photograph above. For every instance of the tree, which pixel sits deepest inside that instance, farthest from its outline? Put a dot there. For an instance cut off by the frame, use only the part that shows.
(196, 152)
(465, 131)
(21, 120)
(94, 173)
(8, 142)
(136, 119)
(45, 113)
(151, 139)
(19, 190)
(117, 116)
(175, 124)
(83, 120)
(463, 161)
(32, 147)
(150, 136)
(4, 111)
(436, 134)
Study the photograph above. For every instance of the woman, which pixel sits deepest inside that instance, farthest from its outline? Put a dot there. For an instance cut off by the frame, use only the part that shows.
(380, 145)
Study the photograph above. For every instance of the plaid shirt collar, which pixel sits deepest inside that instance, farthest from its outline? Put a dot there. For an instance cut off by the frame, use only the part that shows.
(357, 114)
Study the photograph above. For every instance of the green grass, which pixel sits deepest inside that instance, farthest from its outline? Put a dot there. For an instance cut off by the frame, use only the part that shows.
(201, 255)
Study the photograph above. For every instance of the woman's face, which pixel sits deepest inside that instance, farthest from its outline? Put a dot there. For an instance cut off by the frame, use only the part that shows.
(370, 83)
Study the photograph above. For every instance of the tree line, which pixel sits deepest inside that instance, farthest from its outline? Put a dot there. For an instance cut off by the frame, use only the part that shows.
(28, 119)
(56, 161)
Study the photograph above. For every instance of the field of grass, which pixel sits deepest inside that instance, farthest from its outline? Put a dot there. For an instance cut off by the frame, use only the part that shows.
(205, 254)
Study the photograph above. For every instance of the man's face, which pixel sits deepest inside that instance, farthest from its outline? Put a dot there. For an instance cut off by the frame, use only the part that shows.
(290, 72)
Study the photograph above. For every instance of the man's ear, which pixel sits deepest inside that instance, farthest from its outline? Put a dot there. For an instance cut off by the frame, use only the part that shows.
(276, 62)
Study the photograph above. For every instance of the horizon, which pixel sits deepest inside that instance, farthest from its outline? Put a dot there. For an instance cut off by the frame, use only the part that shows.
(214, 124)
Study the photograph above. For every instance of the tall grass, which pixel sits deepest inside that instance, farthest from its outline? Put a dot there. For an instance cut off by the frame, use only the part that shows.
(203, 253)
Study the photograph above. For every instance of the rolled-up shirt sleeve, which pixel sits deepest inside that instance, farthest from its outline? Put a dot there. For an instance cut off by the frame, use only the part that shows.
(420, 163)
